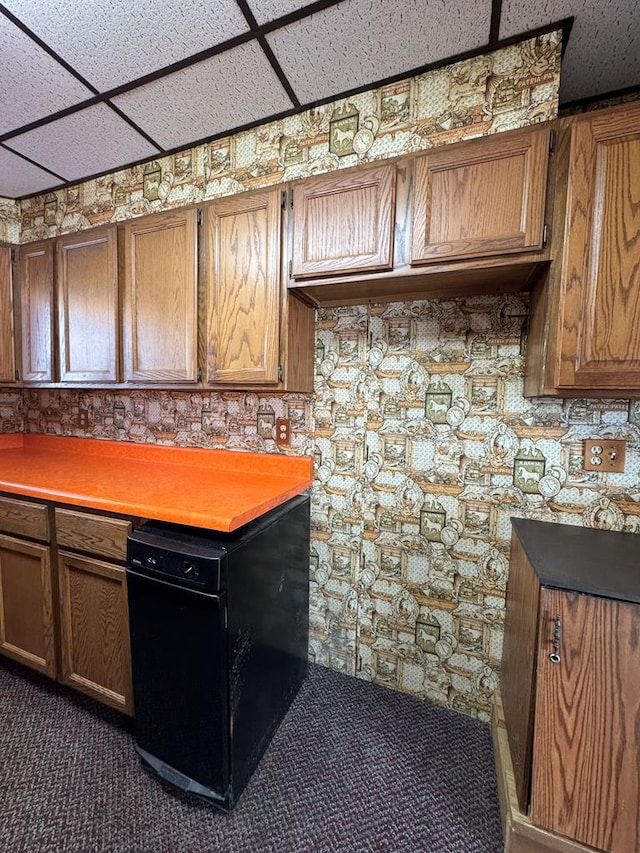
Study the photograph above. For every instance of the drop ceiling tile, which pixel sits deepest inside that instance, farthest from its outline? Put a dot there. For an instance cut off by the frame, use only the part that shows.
(85, 143)
(32, 84)
(269, 10)
(227, 91)
(113, 43)
(362, 41)
(603, 53)
(18, 177)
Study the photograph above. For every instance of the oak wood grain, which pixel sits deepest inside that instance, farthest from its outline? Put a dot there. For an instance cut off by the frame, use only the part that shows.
(35, 272)
(25, 518)
(92, 534)
(518, 670)
(161, 298)
(343, 222)
(586, 774)
(96, 657)
(87, 297)
(481, 198)
(243, 265)
(7, 338)
(602, 256)
(27, 627)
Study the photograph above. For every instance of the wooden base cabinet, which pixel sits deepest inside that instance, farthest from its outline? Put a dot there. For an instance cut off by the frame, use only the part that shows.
(570, 685)
(27, 628)
(96, 657)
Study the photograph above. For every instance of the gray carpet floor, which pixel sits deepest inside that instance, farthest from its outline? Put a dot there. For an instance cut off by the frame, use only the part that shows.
(353, 768)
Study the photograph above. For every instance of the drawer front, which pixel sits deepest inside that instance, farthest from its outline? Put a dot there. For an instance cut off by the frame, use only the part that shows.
(93, 534)
(24, 518)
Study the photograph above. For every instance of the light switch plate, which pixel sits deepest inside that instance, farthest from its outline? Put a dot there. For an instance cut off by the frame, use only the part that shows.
(605, 454)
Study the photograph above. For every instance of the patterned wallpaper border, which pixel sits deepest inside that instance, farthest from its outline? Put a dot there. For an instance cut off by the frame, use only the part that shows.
(511, 87)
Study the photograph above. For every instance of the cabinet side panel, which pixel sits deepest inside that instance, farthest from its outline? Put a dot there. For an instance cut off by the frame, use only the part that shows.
(585, 781)
(7, 352)
(518, 665)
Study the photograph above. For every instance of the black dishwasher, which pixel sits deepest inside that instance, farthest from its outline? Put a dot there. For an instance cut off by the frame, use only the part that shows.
(219, 633)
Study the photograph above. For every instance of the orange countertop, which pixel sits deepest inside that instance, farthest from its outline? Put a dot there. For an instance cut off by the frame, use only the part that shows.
(214, 489)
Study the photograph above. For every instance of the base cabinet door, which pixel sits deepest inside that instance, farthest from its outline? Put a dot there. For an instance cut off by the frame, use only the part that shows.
(27, 632)
(96, 656)
(586, 745)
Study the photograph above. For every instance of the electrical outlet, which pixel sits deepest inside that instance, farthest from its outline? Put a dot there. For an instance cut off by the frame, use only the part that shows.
(83, 418)
(283, 431)
(604, 454)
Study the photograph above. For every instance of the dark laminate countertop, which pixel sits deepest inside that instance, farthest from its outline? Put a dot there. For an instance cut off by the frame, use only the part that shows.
(597, 562)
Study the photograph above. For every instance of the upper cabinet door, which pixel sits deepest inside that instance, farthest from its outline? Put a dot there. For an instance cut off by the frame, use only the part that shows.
(344, 222)
(87, 276)
(599, 339)
(36, 300)
(481, 198)
(161, 297)
(243, 293)
(7, 341)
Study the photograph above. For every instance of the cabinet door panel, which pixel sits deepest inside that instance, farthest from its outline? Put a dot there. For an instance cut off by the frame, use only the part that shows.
(36, 299)
(344, 223)
(481, 198)
(161, 297)
(243, 266)
(87, 268)
(96, 656)
(26, 604)
(587, 735)
(7, 340)
(602, 255)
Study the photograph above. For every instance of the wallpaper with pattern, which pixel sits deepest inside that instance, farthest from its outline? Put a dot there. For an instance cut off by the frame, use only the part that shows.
(424, 446)
(512, 87)
(424, 449)
(9, 221)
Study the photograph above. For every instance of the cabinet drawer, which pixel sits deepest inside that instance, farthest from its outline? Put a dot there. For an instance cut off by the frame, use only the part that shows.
(93, 534)
(24, 518)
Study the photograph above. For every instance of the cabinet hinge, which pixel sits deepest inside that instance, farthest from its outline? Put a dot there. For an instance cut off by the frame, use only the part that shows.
(291, 198)
(17, 376)
(552, 142)
(280, 373)
(283, 200)
(545, 234)
(13, 254)
(199, 217)
(199, 374)
(290, 267)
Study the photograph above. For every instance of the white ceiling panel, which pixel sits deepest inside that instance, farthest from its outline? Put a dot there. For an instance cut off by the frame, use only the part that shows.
(603, 53)
(84, 143)
(362, 41)
(229, 90)
(33, 85)
(110, 43)
(19, 177)
(269, 10)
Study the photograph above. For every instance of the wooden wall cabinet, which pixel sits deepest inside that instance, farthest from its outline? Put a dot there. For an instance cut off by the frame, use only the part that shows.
(465, 219)
(27, 622)
(87, 300)
(35, 266)
(585, 315)
(343, 222)
(481, 198)
(256, 333)
(94, 613)
(159, 263)
(7, 319)
(569, 683)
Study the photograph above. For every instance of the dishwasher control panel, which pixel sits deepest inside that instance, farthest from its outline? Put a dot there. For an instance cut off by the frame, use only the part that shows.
(176, 556)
